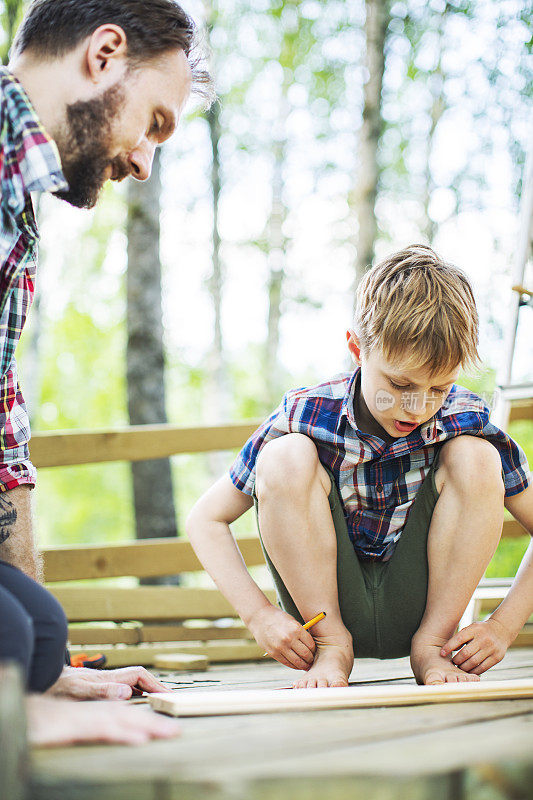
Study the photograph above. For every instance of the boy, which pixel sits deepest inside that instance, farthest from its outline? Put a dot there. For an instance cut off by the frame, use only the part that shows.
(379, 496)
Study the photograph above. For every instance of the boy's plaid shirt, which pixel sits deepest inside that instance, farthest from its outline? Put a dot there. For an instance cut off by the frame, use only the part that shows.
(377, 481)
(29, 162)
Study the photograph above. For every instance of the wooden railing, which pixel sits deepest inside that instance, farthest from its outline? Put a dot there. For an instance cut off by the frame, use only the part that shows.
(143, 442)
(140, 625)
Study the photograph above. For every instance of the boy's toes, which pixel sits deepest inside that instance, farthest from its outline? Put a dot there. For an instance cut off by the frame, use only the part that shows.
(322, 683)
(433, 677)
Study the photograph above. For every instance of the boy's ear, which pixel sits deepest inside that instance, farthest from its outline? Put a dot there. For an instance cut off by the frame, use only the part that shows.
(354, 346)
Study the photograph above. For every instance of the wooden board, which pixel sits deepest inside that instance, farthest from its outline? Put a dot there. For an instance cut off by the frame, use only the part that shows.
(521, 409)
(144, 654)
(192, 704)
(512, 529)
(139, 559)
(135, 633)
(187, 662)
(150, 603)
(135, 443)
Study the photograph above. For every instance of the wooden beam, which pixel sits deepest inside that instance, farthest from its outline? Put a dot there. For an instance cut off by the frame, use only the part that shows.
(521, 409)
(144, 654)
(181, 662)
(141, 559)
(132, 633)
(254, 701)
(135, 443)
(143, 603)
(513, 530)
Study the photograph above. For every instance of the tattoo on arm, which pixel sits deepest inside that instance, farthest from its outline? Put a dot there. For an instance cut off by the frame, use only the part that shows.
(8, 517)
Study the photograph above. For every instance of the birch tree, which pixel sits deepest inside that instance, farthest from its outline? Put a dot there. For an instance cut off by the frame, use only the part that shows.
(367, 177)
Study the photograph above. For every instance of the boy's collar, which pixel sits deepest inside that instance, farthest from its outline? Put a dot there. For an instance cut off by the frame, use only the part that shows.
(428, 432)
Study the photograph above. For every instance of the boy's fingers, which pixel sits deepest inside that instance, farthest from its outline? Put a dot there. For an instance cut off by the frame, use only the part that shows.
(473, 662)
(296, 661)
(484, 666)
(457, 641)
(303, 651)
(308, 640)
(465, 653)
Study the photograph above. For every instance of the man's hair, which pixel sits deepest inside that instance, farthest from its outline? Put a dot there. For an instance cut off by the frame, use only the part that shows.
(419, 310)
(52, 28)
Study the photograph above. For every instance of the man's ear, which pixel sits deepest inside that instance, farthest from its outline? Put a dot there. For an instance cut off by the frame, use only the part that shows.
(354, 346)
(106, 55)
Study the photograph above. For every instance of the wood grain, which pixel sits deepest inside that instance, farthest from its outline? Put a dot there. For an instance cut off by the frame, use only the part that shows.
(192, 704)
(139, 559)
(144, 654)
(150, 603)
(134, 443)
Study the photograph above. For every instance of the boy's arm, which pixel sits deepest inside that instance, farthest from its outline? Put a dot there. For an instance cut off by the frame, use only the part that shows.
(209, 533)
(503, 626)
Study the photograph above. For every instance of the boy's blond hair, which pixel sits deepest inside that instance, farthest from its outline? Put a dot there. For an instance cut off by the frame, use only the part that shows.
(418, 310)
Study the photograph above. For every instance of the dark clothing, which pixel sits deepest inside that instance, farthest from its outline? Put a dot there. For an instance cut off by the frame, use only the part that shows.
(33, 628)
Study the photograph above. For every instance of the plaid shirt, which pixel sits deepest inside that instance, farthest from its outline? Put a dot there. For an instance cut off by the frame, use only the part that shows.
(377, 481)
(29, 162)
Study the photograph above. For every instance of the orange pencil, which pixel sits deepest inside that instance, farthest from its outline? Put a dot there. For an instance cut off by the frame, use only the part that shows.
(314, 620)
(310, 624)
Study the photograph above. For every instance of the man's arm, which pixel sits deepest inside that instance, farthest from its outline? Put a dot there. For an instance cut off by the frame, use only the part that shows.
(17, 545)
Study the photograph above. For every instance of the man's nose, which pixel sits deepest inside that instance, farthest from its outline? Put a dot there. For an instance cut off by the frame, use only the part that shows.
(141, 160)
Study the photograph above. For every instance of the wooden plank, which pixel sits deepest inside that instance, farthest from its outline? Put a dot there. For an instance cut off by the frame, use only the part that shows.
(512, 529)
(521, 409)
(137, 633)
(150, 603)
(181, 662)
(134, 443)
(140, 559)
(192, 704)
(13, 752)
(144, 654)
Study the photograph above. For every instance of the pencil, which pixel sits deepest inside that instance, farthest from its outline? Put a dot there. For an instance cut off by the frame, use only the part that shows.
(314, 620)
(309, 624)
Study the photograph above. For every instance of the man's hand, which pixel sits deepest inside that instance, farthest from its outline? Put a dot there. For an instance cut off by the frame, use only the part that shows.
(283, 638)
(54, 723)
(480, 646)
(81, 683)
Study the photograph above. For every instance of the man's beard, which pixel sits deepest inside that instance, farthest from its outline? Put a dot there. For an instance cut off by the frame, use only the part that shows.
(84, 147)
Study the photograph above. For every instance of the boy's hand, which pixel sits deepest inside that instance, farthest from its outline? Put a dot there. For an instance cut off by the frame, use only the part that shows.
(480, 645)
(283, 638)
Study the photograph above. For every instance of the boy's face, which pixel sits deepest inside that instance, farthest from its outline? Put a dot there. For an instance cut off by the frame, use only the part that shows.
(396, 398)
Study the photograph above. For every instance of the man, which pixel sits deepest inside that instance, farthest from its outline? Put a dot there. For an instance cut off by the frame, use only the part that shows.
(91, 90)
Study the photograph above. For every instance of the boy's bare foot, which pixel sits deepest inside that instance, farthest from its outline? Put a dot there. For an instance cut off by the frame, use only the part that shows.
(332, 665)
(429, 667)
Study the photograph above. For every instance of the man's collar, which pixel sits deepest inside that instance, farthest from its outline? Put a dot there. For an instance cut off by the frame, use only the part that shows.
(37, 155)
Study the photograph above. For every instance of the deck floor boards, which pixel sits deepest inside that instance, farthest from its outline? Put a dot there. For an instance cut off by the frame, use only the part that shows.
(238, 757)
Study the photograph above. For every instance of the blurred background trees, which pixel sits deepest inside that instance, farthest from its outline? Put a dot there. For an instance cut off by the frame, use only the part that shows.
(343, 131)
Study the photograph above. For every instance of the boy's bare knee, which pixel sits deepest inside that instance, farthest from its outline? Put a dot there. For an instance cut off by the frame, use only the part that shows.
(470, 462)
(284, 463)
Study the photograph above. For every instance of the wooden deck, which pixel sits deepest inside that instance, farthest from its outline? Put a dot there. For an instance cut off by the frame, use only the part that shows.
(474, 751)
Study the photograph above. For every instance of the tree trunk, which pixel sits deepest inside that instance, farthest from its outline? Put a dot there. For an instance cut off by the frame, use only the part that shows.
(152, 480)
(278, 243)
(376, 24)
(438, 107)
